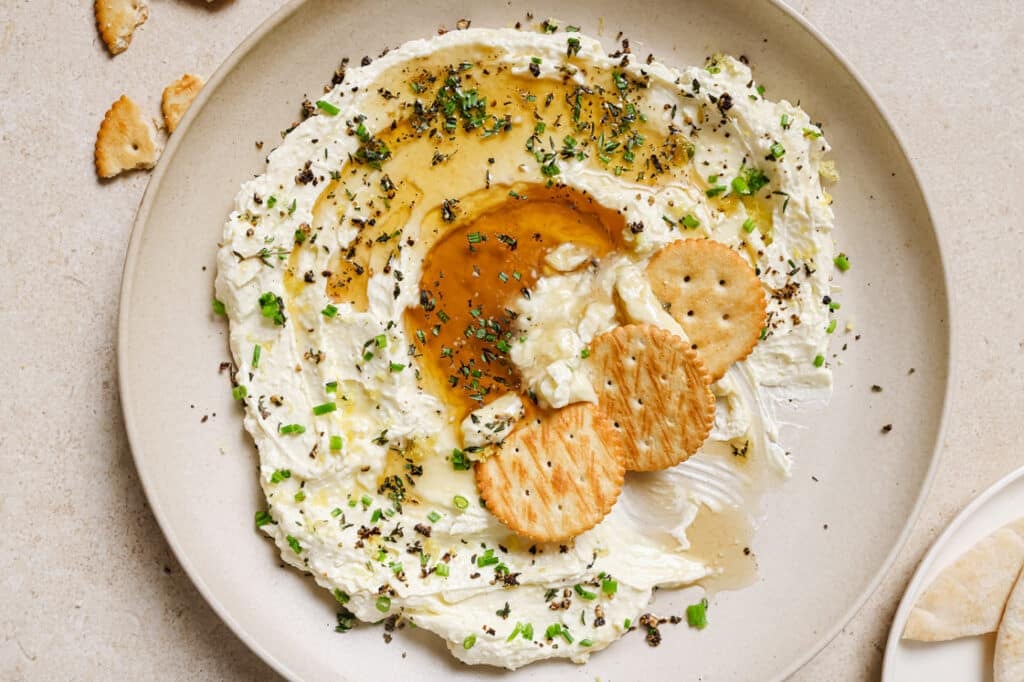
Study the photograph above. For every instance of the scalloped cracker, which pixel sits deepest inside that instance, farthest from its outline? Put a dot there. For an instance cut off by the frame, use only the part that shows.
(714, 295)
(125, 140)
(555, 477)
(1009, 657)
(117, 21)
(655, 390)
(178, 97)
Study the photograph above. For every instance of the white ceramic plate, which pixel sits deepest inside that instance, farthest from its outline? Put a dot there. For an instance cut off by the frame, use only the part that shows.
(830, 532)
(970, 658)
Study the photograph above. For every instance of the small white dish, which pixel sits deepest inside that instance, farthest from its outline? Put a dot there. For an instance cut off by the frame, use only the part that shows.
(969, 658)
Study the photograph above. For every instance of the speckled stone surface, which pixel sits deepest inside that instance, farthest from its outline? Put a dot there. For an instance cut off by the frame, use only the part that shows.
(90, 588)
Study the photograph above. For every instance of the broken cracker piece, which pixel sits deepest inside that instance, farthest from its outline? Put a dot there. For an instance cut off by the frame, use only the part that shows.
(125, 140)
(714, 295)
(117, 21)
(656, 391)
(178, 97)
(555, 477)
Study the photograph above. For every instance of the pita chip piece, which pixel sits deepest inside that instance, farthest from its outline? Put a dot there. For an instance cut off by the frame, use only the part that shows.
(968, 597)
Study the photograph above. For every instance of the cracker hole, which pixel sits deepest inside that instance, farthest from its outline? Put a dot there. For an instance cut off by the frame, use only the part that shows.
(721, 282)
(689, 313)
(135, 147)
(693, 346)
(549, 464)
(686, 279)
(616, 425)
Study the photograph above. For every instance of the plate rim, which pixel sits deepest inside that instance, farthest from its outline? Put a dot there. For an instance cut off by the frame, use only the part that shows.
(916, 580)
(141, 220)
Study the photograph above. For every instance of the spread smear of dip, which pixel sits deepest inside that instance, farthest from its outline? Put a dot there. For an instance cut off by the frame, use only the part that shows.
(425, 262)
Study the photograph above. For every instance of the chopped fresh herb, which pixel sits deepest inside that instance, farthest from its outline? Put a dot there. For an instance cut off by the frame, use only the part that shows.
(697, 614)
(609, 586)
(271, 201)
(330, 310)
(819, 360)
(324, 408)
(572, 46)
(239, 392)
(294, 544)
(340, 596)
(468, 642)
(487, 559)
(842, 262)
(433, 517)
(337, 443)
(381, 341)
(812, 133)
(749, 225)
(263, 518)
(272, 308)
(327, 108)
(256, 351)
(460, 502)
(785, 122)
(396, 367)
(627, 623)
(831, 327)
(442, 570)
(584, 593)
(331, 387)
(300, 495)
(777, 150)
(280, 475)
(293, 206)
(383, 603)
(690, 221)
(460, 462)
(749, 181)
(286, 429)
(218, 308)
(586, 642)
(715, 191)
(833, 306)
(585, 353)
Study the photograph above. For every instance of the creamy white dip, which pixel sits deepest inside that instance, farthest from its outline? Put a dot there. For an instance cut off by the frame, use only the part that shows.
(335, 405)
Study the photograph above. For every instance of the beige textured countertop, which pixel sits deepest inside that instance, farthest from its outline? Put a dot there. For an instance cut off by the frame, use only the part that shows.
(90, 588)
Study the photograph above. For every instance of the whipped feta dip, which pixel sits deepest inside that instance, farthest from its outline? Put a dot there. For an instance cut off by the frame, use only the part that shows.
(366, 449)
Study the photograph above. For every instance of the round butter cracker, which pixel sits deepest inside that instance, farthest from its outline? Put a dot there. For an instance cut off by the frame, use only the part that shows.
(555, 477)
(714, 295)
(655, 390)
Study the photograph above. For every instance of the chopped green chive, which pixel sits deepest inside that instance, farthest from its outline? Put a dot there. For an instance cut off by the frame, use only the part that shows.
(749, 225)
(442, 570)
(287, 429)
(459, 460)
(763, 335)
(336, 512)
(585, 353)
(324, 408)
(777, 150)
(697, 614)
(831, 327)
(690, 221)
(218, 308)
(487, 559)
(819, 360)
(376, 516)
(396, 367)
(300, 496)
(381, 341)
(327, 108)
(272, 308)
(474, 237)
(256, 351)
(383, 603)
(340, 596)
(468, 642)
(627, 623)
(584, 593)
(535, 60)
(239, 392)
(460, 502)
(842, 262)
(434, 517)
(833, 306)
(715, 191)
(337, 443)
(294, 544)
(586, 642)
(812, 133)
(271, 200)
(609, 586)
(263, 518)
(280, 475)
(331, 387)
(366, 501)
(293, 206)
(515, 631)
(330, 311)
